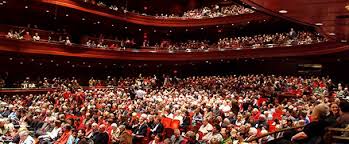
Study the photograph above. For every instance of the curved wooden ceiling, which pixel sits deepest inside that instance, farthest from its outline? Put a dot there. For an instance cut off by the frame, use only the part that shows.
(330, 16)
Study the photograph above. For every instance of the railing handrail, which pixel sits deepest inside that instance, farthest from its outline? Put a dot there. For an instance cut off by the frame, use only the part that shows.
(275, 132)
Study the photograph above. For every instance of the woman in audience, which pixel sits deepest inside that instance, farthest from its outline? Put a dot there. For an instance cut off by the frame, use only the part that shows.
(314, 131)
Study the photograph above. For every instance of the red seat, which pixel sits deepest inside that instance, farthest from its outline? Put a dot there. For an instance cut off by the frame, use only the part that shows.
(166, 122)
(175, 124)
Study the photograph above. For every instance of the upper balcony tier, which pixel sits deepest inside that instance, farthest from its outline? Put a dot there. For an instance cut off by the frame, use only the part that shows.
(136, 18)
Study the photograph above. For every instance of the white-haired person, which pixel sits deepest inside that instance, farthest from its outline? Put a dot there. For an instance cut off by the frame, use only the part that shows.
(313, 132)
(25, 138)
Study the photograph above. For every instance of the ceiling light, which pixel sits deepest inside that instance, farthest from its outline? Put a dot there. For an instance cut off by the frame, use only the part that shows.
(4, 2)
(47, 11)
(170, 30)
(154, 30)
(217, 26)
(26, 7)
(98, 22)
(202, 28)
(125, 27)
(332, 34)
(283, 11)
(112, 25)
(232, 24)
(347, 7)
(318, 24)
(139, 29)
(83, 19)
(248, 22)
(66, 15)
(186, 29)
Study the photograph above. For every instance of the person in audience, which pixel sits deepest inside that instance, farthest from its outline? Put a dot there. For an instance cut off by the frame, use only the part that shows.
(176, 138)
(36, 37)
(25, 138)
(67, 41)
(10, 34)
(101, 137)
(314, 131)
(157, 127)
(27, 36)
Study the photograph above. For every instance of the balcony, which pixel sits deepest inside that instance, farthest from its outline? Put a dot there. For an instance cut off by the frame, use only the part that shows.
(154, 21)
(79, 51)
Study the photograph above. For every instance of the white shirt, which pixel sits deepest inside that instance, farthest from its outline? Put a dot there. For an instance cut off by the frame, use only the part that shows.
(28, 140)
(205, 129)
(140, 93)
(36, 38)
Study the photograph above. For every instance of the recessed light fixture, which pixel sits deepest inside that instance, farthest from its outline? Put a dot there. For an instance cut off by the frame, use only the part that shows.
(26, 7)
(112, 25)
(139, 29)
(154, 30)
(248, 22)
(4, 2)
(318, 24)
(232, 24)
(347, 7)
(217, 26)
(66, 14)
(202, 28)
(170, 31)
(332, 34)
(125, 27)
(186, 29)
(98, 22)
(47, 11)
(83, 19)
(283, 11)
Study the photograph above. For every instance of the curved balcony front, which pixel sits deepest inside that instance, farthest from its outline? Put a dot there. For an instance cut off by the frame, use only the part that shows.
(154, 21)
(45, 48)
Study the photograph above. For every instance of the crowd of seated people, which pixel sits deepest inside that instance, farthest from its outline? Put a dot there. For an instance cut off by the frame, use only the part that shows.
(189, 110)
(188, 45)
(260, 40)
(110, 44)
(296, 38)
(214, 11)
(205, 12)
(24, 34)
(55, 82)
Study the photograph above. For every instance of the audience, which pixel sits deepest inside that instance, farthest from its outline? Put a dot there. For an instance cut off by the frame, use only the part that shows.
(205, 12)
(221, 109)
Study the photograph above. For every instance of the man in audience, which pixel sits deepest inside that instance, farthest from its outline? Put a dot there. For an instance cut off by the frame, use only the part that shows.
(36, 37)
(101, 137)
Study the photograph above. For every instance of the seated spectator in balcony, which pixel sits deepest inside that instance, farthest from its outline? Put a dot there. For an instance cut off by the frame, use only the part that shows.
(36, 37)
(27, 36)
(17, 35)
(314, 131)
(88, 43)
(10, 34)
(67, 41)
